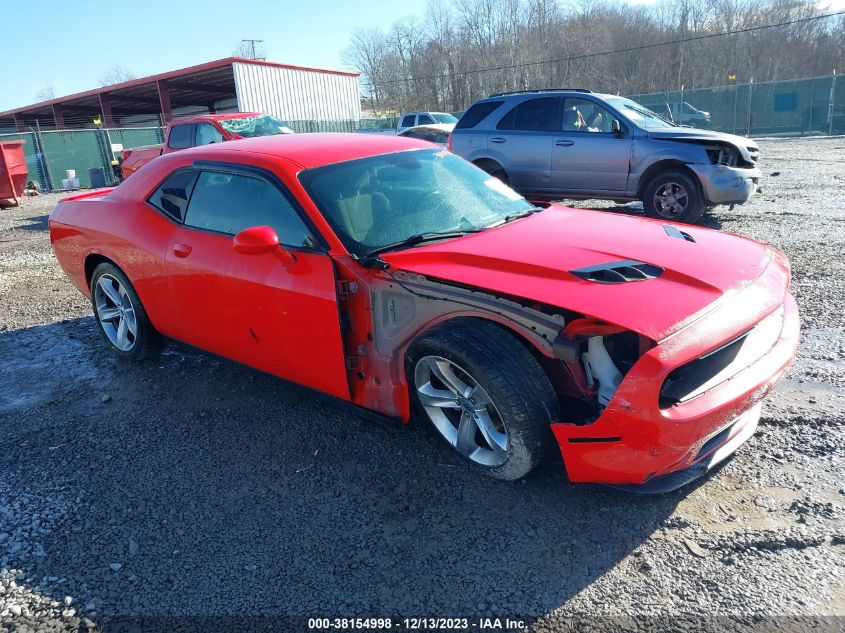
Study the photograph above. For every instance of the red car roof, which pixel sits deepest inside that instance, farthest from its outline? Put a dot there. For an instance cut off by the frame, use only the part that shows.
(318, 149)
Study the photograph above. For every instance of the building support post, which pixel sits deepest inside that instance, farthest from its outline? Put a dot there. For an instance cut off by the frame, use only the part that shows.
(164, 100)
(105, 109)
(58, 116)
(19, 124)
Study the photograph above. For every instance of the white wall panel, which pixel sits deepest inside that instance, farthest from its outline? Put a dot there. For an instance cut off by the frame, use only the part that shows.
(295, 94)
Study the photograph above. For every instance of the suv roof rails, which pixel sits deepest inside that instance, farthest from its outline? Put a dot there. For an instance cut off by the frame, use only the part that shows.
(520, 92)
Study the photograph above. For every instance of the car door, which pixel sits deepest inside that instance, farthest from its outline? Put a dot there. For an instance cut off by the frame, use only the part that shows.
(522, 142)
(587, 155)
(255, 309)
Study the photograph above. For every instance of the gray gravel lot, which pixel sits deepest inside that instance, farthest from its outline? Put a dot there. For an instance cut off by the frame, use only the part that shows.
(189, 487)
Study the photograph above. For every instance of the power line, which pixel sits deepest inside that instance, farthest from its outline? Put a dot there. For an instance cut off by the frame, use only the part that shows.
(631, 49)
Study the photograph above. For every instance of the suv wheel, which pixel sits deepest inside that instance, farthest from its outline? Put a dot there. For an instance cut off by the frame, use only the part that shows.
(495, 169)
(673, 195)
(485, 394)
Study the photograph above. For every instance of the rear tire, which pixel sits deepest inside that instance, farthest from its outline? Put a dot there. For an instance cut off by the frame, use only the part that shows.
(485, 394)
(675, 196)
(495, 169)
(121, 317)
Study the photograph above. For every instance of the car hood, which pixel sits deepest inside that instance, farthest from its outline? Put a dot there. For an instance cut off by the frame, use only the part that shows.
(748, 148)
(532, 258)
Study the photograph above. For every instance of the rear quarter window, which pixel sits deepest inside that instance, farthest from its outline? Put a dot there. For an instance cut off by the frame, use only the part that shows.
(181, 136)
(172, 195)
(476, 114)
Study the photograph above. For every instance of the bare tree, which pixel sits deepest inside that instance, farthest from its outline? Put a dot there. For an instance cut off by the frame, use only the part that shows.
(466, 49)
(117, 74)
(251, 49)
(46, 92)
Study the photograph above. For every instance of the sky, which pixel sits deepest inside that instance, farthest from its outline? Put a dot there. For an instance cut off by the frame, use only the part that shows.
(71, 44)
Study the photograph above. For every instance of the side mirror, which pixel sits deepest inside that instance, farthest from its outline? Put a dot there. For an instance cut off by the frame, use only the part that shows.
(616, 126)
(259, 240)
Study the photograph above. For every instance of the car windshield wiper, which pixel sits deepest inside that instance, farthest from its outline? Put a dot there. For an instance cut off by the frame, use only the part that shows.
(515, 216)
(371, 258)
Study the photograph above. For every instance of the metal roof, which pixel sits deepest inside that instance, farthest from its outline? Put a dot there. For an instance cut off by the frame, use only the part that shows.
(192, 86)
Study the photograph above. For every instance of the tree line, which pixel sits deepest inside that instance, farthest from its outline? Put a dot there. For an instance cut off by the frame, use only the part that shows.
(463, 50)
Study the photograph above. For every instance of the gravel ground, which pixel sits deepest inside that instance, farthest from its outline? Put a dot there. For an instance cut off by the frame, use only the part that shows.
(188, 487)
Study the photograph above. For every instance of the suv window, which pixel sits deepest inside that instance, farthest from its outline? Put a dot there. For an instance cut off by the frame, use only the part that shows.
(541, 115)
(476, 114)
(408, 121)
(173, 194)
(425, 119)
(207, 134)
(181, 136)
(583, 115)
(229, 203)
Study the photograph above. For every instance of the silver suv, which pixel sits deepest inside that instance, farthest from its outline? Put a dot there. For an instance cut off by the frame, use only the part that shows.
(551, 144)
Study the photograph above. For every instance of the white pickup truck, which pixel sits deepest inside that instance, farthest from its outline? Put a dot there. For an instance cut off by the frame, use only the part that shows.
(413, 119)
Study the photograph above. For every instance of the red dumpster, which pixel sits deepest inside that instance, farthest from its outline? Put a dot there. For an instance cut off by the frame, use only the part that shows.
(13, 172)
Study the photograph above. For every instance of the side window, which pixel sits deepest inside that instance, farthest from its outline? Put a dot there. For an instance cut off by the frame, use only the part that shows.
(181, 136)
(583, 115)
(173, 194)
(207, 134)
(540, 115)
(425, 119)
(476, 113)
(408, 121)
(229, 203)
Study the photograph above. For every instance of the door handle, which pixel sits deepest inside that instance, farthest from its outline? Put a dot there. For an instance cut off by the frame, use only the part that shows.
(181, 250)
(564, 143)
(498, 139)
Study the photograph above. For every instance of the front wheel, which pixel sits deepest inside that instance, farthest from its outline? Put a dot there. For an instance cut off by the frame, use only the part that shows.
(673, 195)
(485, 394)
(121, 317)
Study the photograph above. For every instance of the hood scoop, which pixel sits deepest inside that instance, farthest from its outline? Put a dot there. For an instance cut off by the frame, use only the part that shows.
(672, 231)
(618, 272)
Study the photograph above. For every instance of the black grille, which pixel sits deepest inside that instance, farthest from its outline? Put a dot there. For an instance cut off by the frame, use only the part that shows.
(685, 381)
(619, 272)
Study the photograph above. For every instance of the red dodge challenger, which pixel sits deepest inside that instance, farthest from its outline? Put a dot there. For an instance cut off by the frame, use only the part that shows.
(389, 273)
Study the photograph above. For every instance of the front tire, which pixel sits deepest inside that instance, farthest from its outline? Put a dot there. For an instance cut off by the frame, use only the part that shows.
(485, 394)
(121, 317)
(674, 195)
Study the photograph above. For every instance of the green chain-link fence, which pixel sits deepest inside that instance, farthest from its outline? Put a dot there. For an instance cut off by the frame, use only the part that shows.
(801, 107)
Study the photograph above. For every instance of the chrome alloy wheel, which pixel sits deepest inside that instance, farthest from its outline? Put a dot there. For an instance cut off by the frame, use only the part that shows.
(115, 312)
(670, 200)
(461, 410)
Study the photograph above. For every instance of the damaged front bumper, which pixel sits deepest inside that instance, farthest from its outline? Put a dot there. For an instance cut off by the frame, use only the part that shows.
(640, 443)
(727, 185)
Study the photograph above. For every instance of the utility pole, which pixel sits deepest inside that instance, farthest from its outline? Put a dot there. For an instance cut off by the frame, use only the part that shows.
(252, 44)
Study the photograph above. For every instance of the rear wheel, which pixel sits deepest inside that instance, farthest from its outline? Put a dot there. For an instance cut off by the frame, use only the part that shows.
(485, 394)
(674, 195)
(495, 169)
(120, 315)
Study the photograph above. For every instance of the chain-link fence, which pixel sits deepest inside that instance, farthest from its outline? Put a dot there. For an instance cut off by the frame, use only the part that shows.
(801, 107)
(51, 153)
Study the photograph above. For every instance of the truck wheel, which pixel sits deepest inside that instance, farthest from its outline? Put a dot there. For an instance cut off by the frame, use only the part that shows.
(122, 319)
(673, 195)
(485, 394)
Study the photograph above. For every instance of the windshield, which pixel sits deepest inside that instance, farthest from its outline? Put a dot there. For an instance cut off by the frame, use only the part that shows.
(639, 114)
(381, 200)
(261, 125)
(442, 117)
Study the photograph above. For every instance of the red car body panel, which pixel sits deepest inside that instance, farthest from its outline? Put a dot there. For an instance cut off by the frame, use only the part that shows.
(133, 159)
(285, 318)
(532, 259)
